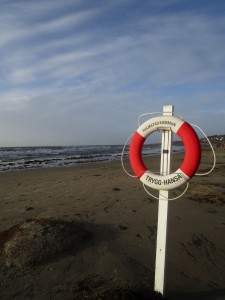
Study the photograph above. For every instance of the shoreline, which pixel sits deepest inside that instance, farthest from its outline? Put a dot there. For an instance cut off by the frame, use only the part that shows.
(38, 157)
(146, 157)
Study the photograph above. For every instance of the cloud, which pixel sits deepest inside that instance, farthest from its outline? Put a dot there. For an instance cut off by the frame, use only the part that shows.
(77, 62)
(173, 50)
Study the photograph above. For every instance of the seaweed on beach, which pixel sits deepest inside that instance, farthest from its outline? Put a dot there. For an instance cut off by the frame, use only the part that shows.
(37, 241)
(99, 288)
(207, 194)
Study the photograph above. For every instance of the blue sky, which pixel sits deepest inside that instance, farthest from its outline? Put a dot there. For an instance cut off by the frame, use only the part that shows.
(81, 71)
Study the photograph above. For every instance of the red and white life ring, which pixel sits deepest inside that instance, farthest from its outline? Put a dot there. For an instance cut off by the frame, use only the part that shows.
(191, 159)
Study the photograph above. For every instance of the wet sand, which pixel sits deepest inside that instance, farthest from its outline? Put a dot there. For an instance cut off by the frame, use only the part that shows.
(89, 232)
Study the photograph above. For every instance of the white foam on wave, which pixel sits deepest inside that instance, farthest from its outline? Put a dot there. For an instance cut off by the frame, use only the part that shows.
(20, 158)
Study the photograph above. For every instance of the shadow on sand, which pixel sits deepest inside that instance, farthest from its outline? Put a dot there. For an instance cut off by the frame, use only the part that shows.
(38, 241)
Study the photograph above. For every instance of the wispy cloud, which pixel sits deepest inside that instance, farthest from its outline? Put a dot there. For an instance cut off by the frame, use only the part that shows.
(82, 61)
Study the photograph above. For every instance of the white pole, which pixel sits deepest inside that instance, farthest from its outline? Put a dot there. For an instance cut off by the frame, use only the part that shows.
(166, 154)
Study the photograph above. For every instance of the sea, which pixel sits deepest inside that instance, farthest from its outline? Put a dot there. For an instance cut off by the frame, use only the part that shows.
(21, 158)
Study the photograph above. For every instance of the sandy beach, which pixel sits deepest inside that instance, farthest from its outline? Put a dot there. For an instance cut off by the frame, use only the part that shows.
(89, 232)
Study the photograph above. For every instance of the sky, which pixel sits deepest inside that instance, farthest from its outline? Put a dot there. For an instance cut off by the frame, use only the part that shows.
(80, 72)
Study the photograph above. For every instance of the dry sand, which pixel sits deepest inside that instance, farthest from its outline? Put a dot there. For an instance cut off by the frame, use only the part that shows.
(89, 232)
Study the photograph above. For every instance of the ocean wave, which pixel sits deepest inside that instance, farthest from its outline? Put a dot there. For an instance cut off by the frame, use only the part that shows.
(20, 158)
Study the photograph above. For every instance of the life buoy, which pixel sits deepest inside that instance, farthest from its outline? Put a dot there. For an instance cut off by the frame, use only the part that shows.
(191, 160)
